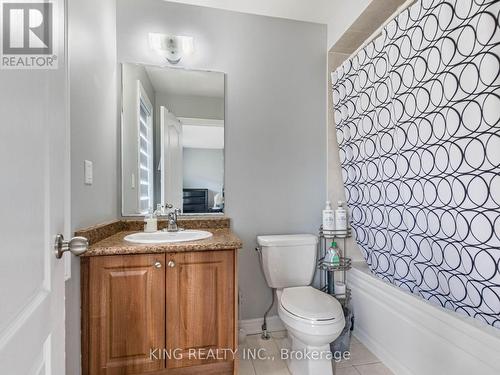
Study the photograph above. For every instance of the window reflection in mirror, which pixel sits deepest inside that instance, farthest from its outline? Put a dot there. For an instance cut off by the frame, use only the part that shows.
(172, 137)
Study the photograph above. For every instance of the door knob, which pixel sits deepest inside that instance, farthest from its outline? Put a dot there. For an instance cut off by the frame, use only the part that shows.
(77, 245)
(158, 264)
(171, 264)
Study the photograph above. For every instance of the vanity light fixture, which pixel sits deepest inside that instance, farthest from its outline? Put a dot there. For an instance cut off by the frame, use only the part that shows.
(172, 47)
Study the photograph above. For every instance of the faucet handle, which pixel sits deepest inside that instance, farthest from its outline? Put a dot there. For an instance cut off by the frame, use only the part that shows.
(168, 206)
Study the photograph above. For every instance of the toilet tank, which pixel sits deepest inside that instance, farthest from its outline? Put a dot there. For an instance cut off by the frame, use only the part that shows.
(288, 260)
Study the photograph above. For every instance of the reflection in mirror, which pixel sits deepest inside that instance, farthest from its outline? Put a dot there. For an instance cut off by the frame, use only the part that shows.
(172, 140)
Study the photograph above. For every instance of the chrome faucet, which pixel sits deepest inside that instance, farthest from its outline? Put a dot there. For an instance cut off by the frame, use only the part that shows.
(172, 220)
(171, 216)
(160, 209)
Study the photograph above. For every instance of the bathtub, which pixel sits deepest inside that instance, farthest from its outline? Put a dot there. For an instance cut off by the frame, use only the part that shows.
(415, 337)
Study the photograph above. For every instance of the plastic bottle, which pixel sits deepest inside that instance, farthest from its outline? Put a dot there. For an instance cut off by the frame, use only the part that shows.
(340, 217)
(150, 222)
(340, 289)
(332, 255)
(328, 217)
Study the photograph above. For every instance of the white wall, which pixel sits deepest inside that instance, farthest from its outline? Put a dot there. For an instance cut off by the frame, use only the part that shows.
(94, 136)
(192, 106)
(337, 14)
(341, 16)
(182, 106)
(275, 116)
(204, 169)
(131, 73)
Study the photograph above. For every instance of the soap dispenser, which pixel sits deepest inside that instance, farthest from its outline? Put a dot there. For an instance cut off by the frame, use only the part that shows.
(150, 222)
(340, 217)
(328, 217)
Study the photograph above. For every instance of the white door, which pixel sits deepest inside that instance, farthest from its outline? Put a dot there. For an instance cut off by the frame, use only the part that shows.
(171, 156)
(34, 166)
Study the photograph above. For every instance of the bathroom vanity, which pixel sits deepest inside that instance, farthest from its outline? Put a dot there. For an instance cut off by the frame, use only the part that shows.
(164, 308)
(159, 308)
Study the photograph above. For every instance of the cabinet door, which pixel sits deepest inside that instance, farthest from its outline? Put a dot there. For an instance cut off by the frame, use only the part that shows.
(200, 306)
(127, 313)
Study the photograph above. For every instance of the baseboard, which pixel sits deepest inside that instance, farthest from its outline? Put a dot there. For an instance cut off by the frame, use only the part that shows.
(254, 326)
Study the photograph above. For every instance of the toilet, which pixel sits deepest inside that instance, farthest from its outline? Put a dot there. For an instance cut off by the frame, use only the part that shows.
(312, 318)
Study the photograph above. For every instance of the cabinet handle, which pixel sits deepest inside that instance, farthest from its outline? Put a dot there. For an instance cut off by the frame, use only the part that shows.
(171, 264)
(158, 264)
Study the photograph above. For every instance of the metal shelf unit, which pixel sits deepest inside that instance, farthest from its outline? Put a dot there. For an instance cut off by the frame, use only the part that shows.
(329, 273)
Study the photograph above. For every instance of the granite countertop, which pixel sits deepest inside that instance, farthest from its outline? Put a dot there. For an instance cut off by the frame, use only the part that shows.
(222, 239)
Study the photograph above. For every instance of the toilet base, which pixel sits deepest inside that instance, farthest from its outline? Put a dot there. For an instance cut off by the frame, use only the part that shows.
(309, 360)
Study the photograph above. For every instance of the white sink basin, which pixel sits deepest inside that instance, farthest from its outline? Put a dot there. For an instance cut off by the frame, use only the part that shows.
(168, 237)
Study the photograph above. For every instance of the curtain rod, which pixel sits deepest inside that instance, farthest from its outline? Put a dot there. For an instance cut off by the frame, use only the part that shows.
(377, 32)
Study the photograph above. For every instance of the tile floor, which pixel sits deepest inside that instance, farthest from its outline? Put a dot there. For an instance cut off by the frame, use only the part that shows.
(361, 362)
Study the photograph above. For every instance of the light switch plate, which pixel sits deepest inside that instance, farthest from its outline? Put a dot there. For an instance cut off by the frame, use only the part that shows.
(88, 172)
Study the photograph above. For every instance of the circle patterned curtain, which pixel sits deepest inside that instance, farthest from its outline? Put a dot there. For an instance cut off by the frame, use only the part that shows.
(418, 126)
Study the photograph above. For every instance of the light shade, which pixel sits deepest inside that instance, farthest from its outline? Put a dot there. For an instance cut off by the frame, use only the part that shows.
(172, 47)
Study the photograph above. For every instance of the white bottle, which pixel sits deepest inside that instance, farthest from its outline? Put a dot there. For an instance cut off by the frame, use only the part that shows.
(340, 217)
(340, 289)
(328, 217)
(150, 223)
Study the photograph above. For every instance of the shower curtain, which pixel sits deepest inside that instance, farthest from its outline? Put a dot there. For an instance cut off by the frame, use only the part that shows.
(417, 115)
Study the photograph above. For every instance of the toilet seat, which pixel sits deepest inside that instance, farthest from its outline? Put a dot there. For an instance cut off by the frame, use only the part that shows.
(310, 304)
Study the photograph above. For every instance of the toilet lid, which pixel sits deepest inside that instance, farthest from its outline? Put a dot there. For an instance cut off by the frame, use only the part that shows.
(309, 303)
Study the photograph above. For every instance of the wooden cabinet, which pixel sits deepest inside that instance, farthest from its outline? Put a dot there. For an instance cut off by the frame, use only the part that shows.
(200, 293)
(124, 313)
(158, 314)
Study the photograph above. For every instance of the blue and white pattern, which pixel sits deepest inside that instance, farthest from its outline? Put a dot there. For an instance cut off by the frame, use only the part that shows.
(418, 125)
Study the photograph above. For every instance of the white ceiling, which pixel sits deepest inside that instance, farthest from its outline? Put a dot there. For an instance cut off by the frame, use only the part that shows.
(337, 14)
(302, 10)
(186, 82)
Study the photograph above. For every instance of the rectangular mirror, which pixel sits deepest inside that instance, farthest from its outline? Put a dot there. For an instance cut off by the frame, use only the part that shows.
(172, 139)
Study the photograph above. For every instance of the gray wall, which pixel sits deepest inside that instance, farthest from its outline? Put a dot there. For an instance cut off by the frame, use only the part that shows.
(204, 168)
(275, 115)
(94, 136)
